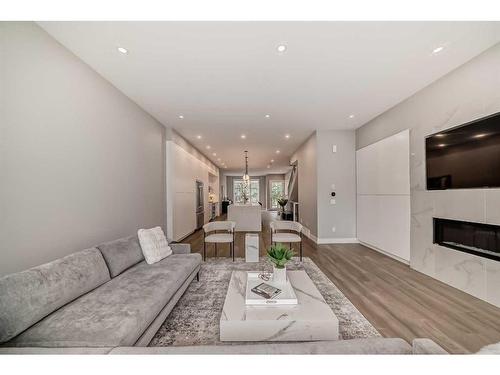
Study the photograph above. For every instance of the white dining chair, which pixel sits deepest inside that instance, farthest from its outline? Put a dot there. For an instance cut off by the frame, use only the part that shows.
(217, 232)
(286, 232)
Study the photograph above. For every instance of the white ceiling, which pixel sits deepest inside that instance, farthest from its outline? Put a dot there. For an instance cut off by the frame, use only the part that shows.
(224, 77)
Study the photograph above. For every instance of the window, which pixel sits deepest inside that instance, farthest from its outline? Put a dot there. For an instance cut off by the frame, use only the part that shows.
(277, 191)
(238, 190)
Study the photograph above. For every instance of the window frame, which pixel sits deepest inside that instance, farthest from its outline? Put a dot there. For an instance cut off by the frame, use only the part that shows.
(282, 183)
(256, 182)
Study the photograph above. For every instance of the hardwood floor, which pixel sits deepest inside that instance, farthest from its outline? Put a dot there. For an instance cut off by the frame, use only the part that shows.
(397, 300)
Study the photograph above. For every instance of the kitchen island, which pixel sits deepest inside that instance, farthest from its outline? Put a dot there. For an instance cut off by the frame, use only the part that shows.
(248, 217)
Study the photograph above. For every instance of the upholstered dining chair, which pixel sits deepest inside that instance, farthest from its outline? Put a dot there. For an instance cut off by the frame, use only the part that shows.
(286, 232)
(217, 232)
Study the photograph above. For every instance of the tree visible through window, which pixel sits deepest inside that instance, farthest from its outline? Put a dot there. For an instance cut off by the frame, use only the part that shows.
(277, 191)
(238, 190)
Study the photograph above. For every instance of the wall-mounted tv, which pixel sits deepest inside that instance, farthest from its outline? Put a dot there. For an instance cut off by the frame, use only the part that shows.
(465, 157)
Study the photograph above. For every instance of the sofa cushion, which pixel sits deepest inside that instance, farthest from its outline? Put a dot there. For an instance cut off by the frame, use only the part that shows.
(118, 312)
(180, 248)
(490, 349)
(376, 345)
(52, 351)
(426, 346)
(121, 254)
(33, 294)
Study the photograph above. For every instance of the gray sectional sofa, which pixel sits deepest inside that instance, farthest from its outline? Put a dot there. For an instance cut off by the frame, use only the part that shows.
(102, 297)
(377, 345)
(108, 300)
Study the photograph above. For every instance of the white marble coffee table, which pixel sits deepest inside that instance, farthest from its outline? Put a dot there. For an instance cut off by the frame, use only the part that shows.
(312, 319)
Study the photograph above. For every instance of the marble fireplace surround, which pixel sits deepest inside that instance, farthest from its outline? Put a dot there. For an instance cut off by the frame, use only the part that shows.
(467, 93)
(470, 273)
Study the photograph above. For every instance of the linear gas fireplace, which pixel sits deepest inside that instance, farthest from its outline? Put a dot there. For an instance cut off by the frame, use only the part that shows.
(473, 238)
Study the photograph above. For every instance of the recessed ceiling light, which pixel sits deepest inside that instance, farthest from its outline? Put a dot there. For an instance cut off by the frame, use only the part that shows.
(181, 116)
(440, 135)
(268, 116)
(281, 48)
(218, 159)
(480, 135)
(122, 50)
(198, 136)
(441, 145)
(351, 116)
(208, 147)
(287, 136)
(268, 166)
(437, 49)
(278, 151)
(214, 154)
(272, 160)
(243, 136)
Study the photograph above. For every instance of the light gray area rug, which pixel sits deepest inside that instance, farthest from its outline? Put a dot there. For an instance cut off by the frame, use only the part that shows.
(195, 318)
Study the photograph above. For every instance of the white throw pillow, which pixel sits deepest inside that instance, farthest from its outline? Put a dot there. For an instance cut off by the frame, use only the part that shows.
(153, 244)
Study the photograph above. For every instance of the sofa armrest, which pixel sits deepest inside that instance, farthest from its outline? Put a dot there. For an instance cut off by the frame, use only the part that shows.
(490, 349)
(180, 248)
(426, 346)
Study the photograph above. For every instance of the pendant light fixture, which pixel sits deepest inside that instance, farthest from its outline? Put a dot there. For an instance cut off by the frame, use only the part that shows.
(246, 177)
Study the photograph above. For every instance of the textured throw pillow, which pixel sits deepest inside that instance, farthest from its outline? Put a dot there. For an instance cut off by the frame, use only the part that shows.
(153, 244)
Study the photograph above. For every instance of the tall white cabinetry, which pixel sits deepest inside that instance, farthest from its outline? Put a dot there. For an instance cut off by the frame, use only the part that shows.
(184, 169)
(383, 195)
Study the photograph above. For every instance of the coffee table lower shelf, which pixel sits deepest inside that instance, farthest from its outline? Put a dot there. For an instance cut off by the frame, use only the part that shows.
(310, 320)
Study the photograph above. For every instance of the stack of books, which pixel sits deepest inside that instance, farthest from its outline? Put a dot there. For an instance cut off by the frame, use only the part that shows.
(259, 292)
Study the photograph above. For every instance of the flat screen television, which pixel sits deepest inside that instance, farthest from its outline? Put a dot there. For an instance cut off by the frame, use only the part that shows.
(465, 157)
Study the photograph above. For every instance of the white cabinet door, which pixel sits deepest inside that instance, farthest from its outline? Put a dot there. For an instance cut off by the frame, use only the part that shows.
(384, 167)
(384, 222)
(383, 195)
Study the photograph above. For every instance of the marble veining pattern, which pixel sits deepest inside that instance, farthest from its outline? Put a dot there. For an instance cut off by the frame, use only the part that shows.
(492, 281)
(251, 247)
(310, 319)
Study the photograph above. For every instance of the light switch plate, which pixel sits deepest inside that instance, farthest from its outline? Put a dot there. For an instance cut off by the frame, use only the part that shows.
(332, 201)
(334, 148)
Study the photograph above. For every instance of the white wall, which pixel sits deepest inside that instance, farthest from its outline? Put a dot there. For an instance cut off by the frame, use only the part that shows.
(184, 167)
(336, 173)
(80, 163)
(319, 169)
(469, 92)
(306, 156)
(383, 195)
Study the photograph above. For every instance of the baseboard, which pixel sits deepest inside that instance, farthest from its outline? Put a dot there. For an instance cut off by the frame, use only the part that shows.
(307, 232)
(186, 236)
(325, 241)
(385, 253)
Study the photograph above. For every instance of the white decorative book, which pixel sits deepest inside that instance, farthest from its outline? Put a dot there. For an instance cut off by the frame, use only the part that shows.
(286, 297)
